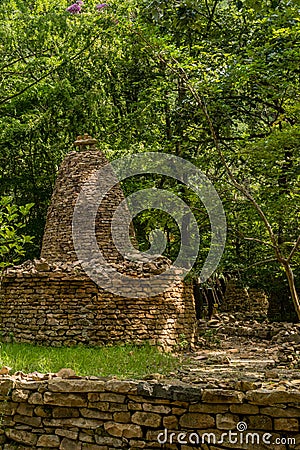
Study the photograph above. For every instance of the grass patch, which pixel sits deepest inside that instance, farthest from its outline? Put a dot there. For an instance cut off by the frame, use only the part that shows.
(123, 361)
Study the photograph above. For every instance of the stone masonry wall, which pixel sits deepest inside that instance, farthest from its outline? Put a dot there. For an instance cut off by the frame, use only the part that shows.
(52, 301)
(53, 306)
(99, 414)
(75, 170)
(238, 299)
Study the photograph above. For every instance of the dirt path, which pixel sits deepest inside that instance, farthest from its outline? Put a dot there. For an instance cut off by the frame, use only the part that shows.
(244, 354)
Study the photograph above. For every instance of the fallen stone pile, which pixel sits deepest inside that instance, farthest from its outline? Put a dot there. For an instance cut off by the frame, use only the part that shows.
(232, 349)
(141, 267)
(281, 337)
(244, 325)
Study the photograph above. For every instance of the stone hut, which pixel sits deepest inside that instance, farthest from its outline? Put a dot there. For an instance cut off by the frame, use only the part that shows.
(52, 301)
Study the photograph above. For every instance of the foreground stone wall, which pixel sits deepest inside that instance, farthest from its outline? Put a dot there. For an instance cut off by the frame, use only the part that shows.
(51, 306)
(85, 414)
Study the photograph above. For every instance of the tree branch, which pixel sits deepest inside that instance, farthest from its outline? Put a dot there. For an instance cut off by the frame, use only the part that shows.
(258, 263)
(179, 71)
(260, 241)
(21, 58)
(37, 80)
(294, 249)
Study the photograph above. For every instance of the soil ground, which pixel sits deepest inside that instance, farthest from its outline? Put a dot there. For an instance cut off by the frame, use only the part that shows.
(231, 350)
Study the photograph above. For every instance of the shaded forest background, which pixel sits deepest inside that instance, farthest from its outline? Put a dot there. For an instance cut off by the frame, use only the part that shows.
(132, 75)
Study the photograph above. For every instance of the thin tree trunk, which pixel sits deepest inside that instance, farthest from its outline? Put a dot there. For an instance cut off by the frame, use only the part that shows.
(175, 67)
(291, 280)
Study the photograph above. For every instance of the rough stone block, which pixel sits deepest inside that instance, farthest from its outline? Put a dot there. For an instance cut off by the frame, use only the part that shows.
(59, 412)
(67, 444)
(260, 423)
(126, 430)
(64, 399)
(146, 419)
(196, 421)
(222, 396)
(244, 409)
(8, 408)
(286, 424)
(43, 411)
(86, 437)
(70, 434)
(50, 440)
(161, 409)
(93, 447)
(170, 422)
(36, 399)
(111, 442)
(102, 406)
(111, 397)
(20, 395)
(121, 387)
(273, 411)
(132, 406)
(79, 422)
(122, 417)
(25, 410)
(226, 421)
(59, 385)
(15, 447)
(207, 408)
(273, 397)
(24, 437)
(5, 386)
(27, 420)
(28, 384)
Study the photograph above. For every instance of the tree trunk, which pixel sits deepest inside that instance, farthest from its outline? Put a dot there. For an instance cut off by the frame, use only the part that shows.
(291, 280)
(184, 83)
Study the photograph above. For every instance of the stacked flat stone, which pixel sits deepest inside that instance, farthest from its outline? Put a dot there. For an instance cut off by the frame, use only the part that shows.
(238, 299)
(84, 414)
(75, 170)
(59, 305)
(52, 301)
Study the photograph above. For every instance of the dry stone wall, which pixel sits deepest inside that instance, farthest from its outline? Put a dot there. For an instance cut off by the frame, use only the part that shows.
(52, 301)
(74, 172)
(53, 305)
(101, 414)
(238, 299)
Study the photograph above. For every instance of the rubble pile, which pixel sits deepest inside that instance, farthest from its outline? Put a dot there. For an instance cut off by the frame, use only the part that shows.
(232, 349)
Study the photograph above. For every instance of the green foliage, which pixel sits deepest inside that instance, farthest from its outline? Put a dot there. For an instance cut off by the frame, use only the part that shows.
(116, 75)
(12, 221)
(210, 337)
(183, 344)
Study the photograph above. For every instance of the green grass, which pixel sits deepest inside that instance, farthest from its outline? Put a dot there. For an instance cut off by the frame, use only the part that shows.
(123, 361)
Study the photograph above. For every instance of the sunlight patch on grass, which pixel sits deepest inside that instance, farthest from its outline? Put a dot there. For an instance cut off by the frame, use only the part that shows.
(123, 361)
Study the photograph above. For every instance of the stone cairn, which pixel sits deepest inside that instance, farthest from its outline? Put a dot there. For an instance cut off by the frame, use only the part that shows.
(51, 301)
(75, 171)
